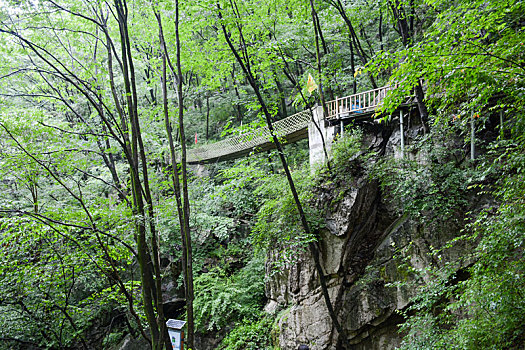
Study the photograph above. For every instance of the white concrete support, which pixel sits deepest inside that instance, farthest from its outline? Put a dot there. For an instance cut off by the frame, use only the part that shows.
(316, 128)
(402, 132)
(501, 132)
(472, 138)
(200, 170)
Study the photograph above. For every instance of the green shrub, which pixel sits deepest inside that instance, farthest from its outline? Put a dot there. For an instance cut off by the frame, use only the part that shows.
(436, 187)
(278, 225)
(348, 146)
(249, 335)
(221, 299)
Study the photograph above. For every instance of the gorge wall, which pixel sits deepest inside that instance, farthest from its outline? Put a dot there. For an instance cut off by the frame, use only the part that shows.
(361, 246)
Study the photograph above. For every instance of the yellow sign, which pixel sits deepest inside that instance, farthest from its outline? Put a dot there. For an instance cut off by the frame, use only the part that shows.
(311, 85)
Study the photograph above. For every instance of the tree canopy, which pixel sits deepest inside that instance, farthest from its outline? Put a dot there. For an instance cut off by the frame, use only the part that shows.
(99, 101)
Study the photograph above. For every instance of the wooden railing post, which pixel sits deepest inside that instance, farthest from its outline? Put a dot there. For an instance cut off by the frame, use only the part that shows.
(336, 107)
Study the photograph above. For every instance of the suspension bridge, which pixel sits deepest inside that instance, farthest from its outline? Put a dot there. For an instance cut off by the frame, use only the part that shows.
(305, 124)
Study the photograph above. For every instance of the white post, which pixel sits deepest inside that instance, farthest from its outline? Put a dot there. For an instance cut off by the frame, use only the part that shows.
(336, 107)
(472, 138)
(340, 111)
(320, 136)
(402, 131)
(501, 133)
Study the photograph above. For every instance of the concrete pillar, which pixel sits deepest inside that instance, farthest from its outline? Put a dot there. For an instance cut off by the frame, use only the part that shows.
(200, 170)
(472, 138)
(317, 127)
(402, 132)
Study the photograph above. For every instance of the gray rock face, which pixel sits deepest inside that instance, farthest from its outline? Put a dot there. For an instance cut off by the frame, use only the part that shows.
(130, 343)
(357, 251)
(345, 248)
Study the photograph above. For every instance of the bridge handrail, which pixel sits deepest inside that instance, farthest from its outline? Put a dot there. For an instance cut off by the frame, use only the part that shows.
(250, 140)
(358, 103)
(362, 102)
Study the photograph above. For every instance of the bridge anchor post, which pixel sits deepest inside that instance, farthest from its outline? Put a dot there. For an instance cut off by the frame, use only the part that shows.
(317, 130)
(402, 132)
(472, 138)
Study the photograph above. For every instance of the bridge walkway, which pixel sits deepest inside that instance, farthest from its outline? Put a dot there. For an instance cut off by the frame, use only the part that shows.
(290, 129)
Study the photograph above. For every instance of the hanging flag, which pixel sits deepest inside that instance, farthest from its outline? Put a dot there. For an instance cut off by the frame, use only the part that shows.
(311, 85)
(195, 138)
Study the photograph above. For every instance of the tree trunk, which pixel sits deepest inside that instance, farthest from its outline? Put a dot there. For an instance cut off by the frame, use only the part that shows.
(139, 210)
(403, 26)
(314, 250)
(207, 117)
(185, 197)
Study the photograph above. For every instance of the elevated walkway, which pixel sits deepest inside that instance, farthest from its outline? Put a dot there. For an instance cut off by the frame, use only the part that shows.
(307, 123)
(290, 129)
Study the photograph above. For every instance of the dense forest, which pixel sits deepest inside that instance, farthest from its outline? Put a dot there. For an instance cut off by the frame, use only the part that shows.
(107, 231)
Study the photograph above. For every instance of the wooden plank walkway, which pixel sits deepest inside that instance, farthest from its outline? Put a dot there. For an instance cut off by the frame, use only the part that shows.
(290, 129)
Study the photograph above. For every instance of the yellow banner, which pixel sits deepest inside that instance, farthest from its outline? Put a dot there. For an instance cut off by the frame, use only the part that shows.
(311, 85)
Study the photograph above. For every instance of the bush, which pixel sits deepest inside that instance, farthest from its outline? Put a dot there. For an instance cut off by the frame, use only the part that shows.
(278, 225)
(348, 146)
(221, 299)
(436, 187)
(249, 336)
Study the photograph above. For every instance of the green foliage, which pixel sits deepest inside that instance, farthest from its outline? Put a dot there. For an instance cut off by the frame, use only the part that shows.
(347, 147)
(278, 223)
(52, 263)
(470, 52)
(58, 267)
(471, 60)
(44, 277)
(249, 335)
(434, 188)
(221, 299)
(238, 184)
(483, 309)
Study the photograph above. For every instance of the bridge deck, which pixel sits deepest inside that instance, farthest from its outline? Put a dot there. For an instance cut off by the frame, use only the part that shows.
(291, 129)
(353, 105)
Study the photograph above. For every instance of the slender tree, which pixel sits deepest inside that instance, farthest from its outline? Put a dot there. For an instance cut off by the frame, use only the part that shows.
(181, 195)
(254, 83)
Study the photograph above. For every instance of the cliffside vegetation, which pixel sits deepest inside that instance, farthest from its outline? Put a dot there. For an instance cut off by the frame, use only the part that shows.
(106, 232)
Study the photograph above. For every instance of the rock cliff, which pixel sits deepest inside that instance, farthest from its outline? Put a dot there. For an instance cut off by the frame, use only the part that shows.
(358, 249)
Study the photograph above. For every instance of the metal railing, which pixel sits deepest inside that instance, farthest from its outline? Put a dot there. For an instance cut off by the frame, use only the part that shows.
(248, 142)
(359, 103)
(260, 139)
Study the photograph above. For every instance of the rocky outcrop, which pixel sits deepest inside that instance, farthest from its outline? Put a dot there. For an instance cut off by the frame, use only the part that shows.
(130, 343)
(362, 237)
(347, 248)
